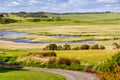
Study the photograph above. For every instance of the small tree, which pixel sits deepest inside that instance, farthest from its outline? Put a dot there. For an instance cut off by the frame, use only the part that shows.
(84, 47)
(67, 47)
(59, 47)
(95, 46)
(51, 47)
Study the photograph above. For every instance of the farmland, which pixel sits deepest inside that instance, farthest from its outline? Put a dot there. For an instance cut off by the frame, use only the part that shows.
(74, 29)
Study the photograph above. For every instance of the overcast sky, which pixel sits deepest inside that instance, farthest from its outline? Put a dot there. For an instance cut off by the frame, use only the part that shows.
(59, 6)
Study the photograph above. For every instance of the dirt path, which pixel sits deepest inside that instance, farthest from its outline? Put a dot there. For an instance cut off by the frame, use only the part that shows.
(69, 74)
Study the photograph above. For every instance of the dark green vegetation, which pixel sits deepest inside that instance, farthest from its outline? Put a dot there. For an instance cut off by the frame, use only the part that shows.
(18, 74)
(44, 60)
(68, 47)
(110, 69)
(7, 20)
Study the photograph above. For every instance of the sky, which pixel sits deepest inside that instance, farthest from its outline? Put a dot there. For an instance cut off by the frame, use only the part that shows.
(59, 6)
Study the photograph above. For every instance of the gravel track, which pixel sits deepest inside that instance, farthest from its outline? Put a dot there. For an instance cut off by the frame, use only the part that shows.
(69, 74)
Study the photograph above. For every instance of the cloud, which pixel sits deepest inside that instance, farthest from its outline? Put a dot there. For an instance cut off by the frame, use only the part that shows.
(108, 1)
(31, 2)
(13, 3)
(60, 5)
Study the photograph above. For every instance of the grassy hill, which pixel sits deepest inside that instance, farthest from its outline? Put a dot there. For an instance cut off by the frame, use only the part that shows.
(68, 19)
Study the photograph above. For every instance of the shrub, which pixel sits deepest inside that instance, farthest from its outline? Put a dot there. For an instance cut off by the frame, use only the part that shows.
(110, 69)
(77, 67)
(116, 45)
(63, 61)
(51, 47)
(75, 48)
(34, 20)
(52, 60)
(102, 47)
(59, 47)
(67, 47)
(75, 61)
(42, 54)
(95, 46)
(84, 47)
(7, 20)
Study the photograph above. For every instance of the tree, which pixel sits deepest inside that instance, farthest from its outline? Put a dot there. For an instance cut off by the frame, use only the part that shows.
(51, 47)
(84, 47)
(67, 47)
(59, 47)
(1, 15)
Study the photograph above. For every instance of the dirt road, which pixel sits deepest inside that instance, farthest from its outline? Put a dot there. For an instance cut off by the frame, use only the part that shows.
(69, 74)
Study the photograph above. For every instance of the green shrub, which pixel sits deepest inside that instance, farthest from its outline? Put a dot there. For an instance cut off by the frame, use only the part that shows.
(42, 54)
(95, 46)
(7, 20)
(51, 47)
(110, 69)
(63, 61)
(75, 48)
(10, 60)
(84, 47)
(66, 47)
(101, 47)
(34, 20)
(59, 47)
(77, 67)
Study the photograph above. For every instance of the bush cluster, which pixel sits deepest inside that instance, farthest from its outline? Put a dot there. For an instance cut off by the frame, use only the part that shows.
(42, 54)
(45, 19)
(7, 20)
(65, 61)
(84, 47)
(97, 46)
(57, 47)
(68, 47)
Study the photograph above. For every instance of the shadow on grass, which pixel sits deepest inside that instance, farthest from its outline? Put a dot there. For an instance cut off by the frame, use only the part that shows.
(4, 69)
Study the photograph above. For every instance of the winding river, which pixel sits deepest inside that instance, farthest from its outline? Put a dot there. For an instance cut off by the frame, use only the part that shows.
(4, 33)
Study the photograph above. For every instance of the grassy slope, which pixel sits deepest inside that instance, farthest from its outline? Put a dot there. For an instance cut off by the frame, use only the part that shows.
(74, 19)
(88, 56)
(108, 18)
(12, 74)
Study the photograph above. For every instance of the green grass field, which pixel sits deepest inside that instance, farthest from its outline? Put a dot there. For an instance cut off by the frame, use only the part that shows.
(109, 18)
(14, 74)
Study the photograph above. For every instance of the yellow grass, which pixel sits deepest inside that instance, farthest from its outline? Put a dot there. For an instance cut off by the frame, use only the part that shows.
(12, 45)
(89, 56)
